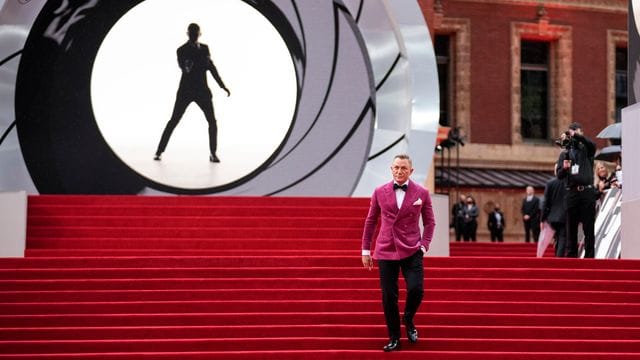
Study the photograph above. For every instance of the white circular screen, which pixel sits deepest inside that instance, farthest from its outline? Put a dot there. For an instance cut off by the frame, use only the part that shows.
(136, 76)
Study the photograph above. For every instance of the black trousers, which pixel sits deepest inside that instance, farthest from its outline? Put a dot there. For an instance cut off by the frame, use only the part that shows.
(459, 228)
(531, 226)
(561, 238)
(413, 273)
(496, 234)
(183, 99)
(581, 209)
(470, 229)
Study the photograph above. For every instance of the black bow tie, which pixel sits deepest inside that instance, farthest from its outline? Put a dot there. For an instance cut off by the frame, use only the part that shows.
(396, 187)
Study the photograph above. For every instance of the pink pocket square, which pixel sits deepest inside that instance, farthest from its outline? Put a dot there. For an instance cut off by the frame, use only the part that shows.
(418, 202)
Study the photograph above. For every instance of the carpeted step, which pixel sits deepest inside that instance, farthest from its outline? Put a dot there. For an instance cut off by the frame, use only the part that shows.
(221, 210)
(75, 295)
(315, 343)
(40, 273)
(255, 201)
(310, 318)
(241, 250)
(193, 232)
(262, 222)
(315, 330)
(320, 305)
(524, 264)
(331, 354)
(257, 243)
(627, 286)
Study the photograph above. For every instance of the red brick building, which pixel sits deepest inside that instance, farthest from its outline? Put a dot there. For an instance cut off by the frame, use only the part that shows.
(513, 75)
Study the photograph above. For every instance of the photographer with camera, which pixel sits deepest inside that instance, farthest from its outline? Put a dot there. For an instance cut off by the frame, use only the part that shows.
(575, 166)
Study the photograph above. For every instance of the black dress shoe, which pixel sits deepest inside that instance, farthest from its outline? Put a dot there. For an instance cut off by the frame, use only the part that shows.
(393, 345)
(412, 332)
(157, 157)
(412, 335)
(213, 158)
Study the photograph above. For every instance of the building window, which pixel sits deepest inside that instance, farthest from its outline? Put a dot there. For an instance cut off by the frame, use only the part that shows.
(534, 90)
(621, 81)
(542, 60)
(442, 47)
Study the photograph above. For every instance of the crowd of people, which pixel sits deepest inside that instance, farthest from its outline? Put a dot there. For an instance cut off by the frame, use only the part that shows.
(465, 218)
(571, 198)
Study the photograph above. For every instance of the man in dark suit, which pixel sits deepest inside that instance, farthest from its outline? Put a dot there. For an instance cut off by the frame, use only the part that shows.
(457, 211)
(553, 212)
(398, 205)
(495, 223)
(531, 215)
(194, 60)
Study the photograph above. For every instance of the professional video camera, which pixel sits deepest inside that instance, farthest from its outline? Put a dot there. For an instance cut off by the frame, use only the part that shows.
(567, 142)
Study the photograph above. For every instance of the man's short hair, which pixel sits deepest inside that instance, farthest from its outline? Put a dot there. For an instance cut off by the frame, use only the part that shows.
(193, 28)
(575, 126)
(404, 157)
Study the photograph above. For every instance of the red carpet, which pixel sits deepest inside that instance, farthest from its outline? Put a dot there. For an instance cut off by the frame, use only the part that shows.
(280, 278)
(495, 249)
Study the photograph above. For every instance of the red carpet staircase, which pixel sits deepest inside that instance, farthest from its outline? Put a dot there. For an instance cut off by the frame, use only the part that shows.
(280, 278)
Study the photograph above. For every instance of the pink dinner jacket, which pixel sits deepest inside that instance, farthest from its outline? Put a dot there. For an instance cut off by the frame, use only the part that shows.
(399, 236)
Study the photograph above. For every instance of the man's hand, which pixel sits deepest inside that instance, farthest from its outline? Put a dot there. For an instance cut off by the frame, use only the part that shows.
(526, 217)
(424, 250)
(367, 262)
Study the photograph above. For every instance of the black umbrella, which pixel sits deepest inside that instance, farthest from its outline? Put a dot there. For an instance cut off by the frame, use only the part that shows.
(613, 131)
(609, 153)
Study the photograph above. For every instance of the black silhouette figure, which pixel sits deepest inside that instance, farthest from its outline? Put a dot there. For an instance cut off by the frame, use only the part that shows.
(194, 60)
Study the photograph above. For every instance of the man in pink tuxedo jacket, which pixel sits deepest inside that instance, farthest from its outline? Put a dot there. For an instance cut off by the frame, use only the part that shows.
(399, 205)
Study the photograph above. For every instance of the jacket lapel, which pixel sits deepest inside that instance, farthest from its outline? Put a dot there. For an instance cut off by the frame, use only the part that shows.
(390, 197)
(408, 195)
